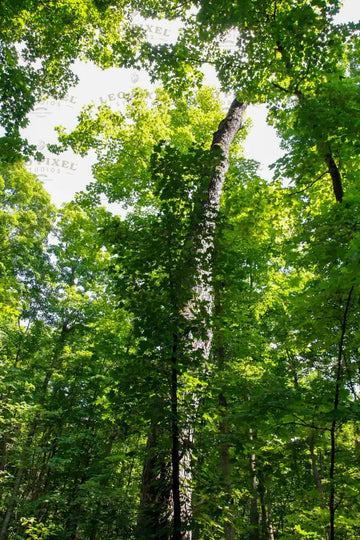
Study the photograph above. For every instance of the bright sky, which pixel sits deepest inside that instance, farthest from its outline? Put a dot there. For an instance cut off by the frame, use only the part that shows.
(64, 175)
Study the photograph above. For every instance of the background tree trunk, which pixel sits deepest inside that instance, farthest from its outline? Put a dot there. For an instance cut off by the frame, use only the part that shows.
(332, 506)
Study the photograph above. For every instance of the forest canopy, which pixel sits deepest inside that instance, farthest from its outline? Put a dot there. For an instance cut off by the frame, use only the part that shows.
(189, 370)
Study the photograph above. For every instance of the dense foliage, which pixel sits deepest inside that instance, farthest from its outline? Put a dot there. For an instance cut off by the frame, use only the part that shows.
(190, 370)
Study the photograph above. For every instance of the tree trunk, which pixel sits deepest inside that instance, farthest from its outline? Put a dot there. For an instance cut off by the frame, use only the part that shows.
(198, 345)
(155, 490)
(270, 525)
(225, 467)
(200, 307)
(335, 177)
(314, 468)
(225, 464)
(175, 449)
(332, 506)
(254, 511)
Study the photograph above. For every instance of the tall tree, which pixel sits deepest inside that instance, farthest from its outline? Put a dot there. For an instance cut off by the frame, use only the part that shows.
(190, 348)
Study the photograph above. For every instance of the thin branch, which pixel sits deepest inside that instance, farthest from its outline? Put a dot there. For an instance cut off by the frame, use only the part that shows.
(308, 186)
(286, 90)
(302, 423)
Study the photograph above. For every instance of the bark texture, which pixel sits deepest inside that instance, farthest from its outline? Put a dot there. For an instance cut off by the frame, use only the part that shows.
(155, 494)
(335, 177)
(201, 304)
(204, 239)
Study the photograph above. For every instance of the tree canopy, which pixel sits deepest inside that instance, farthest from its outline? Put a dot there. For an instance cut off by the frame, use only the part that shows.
(189, 370)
